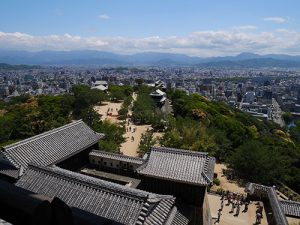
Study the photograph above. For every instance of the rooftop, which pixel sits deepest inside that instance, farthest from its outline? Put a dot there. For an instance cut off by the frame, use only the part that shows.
(102, 198)
(291, 208)
(270, 193)
(9, 170)
(179, 165)
(115, 156)
(52, 146)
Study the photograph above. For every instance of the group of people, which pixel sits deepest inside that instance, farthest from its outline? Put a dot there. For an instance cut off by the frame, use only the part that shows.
(130, 129)
(236, 201)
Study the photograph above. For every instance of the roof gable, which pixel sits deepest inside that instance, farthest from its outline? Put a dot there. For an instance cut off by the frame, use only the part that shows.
(179, 165)
(112, 201)
(52, 146)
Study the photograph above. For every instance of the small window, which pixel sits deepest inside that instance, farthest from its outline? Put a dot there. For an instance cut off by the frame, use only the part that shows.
(105, 163)
(93, 160)
(131, 166)
(111, 164)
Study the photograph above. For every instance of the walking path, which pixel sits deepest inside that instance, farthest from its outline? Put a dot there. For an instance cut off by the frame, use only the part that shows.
(133, 134)
(226, 184)
(229, 218)
(130, 146)
(109, 111)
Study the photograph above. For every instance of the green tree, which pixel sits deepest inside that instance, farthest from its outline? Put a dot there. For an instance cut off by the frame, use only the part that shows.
(85, 98)
(113, 136)
(146, 142)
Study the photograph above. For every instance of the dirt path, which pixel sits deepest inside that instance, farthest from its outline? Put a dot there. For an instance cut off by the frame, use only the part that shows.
(109, 111)
(227, 218)
(226, 184)
(133, 137)
(133, 134)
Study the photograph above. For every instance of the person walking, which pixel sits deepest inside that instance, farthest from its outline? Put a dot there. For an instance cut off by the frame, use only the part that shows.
(232, 207)
(237, 210)
(219, 216)
(246, 207)
(258, 218)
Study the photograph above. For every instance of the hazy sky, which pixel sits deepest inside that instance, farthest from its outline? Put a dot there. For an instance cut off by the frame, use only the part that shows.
(193, 27)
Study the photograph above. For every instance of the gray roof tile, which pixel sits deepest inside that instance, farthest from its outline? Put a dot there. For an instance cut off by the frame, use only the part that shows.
(9, 170)
(270, 193)
(179, 165)
(109, 200)
(291, 208)
(52, 146)
(115, 156)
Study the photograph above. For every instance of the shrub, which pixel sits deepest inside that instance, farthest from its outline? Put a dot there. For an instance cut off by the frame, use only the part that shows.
(216, 181)
(220, 191)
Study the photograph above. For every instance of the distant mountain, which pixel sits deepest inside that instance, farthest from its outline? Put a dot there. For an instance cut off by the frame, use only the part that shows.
(253, 63)
(90, 57)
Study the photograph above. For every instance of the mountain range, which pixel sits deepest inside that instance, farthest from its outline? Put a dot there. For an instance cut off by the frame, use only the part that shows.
(90, 57)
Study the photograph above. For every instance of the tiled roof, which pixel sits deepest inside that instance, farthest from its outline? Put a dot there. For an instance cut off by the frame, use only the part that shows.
(9, 170)
(270, 193)
(291, 208)
(52, 146)
(179, 165)
(183, 215)
(3, 222)
(102, 198)
(115, 156)
(256, 189)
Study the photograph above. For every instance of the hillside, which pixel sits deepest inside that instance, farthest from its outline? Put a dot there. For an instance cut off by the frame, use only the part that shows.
(258, 151)
(17, 67)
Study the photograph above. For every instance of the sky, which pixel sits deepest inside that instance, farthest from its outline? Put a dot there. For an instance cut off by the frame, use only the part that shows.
(192, 27)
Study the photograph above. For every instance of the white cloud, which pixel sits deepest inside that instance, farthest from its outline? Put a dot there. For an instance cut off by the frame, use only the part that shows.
(276, 19)
(245, 27)
(200, 43)
(103, 17)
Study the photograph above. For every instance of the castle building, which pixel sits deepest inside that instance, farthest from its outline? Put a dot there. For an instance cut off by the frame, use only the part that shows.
(64, 166)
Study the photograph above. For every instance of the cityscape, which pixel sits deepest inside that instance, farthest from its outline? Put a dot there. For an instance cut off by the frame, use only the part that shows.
(264, 93)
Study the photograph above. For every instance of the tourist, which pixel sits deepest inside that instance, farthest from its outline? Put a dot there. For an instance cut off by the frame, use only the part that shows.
(232, 207)
(223, 193)
(229, 199)
(237, 210)
(261, 210)
(258, 218)
(246, 207)
(219, 216)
